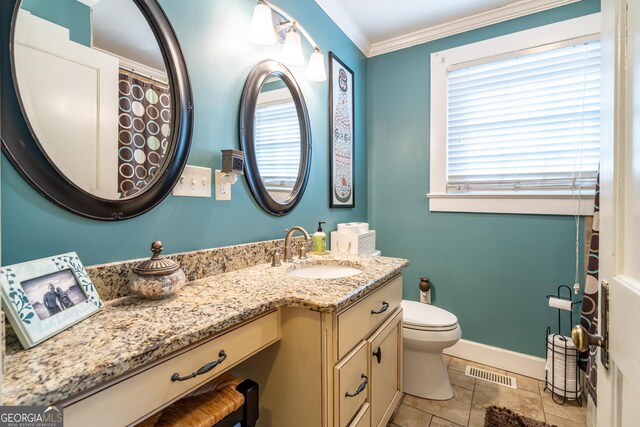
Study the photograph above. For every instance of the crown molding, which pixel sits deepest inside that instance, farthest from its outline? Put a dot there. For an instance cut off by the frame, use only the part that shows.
(345, 22)
(501, 14)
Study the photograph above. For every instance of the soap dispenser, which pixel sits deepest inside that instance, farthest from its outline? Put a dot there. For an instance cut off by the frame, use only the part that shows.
(320, 240)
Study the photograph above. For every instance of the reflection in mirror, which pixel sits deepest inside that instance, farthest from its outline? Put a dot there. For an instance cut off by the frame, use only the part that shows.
(277, 139)
(275, 135)
(95, 92)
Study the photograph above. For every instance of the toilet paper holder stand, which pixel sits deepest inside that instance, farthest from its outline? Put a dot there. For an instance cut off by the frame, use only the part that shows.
(567, 298)
(564, 354)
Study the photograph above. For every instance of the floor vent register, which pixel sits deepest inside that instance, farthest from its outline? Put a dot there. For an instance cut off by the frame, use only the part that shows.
(492, 377)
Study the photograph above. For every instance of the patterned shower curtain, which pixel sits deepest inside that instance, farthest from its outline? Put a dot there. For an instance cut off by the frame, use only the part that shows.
(589, 316)
(144, 117)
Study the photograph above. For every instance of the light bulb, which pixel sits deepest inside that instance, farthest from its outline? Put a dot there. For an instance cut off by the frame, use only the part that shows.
(315, 69)
(261, 30)
(292, 49)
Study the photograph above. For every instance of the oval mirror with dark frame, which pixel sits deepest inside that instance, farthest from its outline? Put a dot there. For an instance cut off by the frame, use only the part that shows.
(275, 135)
(97, 108)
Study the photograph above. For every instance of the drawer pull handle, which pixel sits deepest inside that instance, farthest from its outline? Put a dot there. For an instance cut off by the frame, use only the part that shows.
(206, 368)
(378, 354)
(385, 306)
(361, 387)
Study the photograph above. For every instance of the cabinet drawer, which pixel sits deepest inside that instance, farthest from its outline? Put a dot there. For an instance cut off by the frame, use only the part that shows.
(357, 322)
(136, 397)
(385, 350)
(363, 419)
(351, 384)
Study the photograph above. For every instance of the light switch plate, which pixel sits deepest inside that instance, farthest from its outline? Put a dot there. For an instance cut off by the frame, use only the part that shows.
(195, 181)
(425, 297)
(223, 188)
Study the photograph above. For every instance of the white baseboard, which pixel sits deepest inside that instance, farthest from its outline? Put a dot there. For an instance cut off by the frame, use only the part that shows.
(500, 358)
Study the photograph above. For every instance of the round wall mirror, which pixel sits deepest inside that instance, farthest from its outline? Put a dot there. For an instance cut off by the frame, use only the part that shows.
(276, 137)
(102, 103)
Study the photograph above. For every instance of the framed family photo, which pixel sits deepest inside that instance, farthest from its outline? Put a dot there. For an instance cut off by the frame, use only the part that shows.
(341, 134)
(44, 297)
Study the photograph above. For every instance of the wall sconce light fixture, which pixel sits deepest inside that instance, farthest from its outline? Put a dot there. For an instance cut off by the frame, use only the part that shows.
(270, 24)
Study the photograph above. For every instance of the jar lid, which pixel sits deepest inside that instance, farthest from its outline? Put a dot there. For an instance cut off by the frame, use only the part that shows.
(157, 265)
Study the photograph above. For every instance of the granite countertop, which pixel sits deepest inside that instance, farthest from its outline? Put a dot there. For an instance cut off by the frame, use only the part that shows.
(131, 332)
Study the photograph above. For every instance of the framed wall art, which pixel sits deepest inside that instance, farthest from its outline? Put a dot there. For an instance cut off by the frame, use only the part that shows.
(341, 134)
(44, 297)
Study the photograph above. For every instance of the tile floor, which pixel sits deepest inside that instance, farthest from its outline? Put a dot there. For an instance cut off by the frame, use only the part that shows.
(472, 397)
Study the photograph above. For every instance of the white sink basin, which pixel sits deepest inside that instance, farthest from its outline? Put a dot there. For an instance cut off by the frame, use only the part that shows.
(324, 271)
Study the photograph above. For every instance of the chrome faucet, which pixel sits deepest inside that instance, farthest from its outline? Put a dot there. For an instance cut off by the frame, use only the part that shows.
(288, 253)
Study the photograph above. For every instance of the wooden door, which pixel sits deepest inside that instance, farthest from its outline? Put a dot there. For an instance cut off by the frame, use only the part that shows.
(619, 385)
(385, 353)
(69, 93)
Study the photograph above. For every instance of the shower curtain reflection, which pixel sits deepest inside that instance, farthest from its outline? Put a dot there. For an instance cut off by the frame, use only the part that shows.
(144, 120)
(589, 315)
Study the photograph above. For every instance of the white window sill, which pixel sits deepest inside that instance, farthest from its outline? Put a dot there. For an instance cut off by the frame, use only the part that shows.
(510, 203)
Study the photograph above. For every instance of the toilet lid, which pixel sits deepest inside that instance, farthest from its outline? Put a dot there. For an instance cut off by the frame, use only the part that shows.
(420, 316)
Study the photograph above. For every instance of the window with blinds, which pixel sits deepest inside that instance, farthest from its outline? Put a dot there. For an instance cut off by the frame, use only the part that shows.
(525, 122)
(278, 144)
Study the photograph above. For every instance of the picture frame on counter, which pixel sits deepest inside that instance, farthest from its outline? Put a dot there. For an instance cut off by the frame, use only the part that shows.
(341, 134)
(44, 297)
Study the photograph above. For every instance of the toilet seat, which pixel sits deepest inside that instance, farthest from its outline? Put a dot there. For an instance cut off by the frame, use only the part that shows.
(430, 328)
(424, 317)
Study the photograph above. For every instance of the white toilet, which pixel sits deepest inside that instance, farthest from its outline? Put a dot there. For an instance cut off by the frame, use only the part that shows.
(427, 331)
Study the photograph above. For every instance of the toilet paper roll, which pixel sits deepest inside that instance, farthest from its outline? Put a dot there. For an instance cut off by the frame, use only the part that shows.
(561, 345)
(562, 304)
(562, 366)
(561, 341)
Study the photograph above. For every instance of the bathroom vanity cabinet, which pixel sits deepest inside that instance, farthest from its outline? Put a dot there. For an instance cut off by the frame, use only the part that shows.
(325, 369)
(132, 398)
(333, 369)
(325, 352)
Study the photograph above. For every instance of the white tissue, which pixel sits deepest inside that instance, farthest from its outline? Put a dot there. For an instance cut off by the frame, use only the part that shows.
(353, 228)
(562, 304)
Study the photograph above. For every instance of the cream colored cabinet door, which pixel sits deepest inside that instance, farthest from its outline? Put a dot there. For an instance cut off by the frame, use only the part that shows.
(385, 354)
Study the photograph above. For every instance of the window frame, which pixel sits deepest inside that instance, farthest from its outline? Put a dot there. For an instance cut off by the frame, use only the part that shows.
(441, 62)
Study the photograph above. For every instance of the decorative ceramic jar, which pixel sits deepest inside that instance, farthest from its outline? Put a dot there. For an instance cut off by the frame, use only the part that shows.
(157, 277)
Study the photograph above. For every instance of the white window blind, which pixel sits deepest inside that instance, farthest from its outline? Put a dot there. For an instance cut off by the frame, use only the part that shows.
(278, 144)
(528, 123)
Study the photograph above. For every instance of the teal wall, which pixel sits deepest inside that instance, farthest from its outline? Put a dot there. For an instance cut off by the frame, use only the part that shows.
(219, 57)
(70, 14)
(268, 87)
(493, 271)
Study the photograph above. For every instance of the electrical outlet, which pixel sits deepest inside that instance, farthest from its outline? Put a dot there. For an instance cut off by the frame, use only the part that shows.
(195, 181)
(223, 187)
(425, 297)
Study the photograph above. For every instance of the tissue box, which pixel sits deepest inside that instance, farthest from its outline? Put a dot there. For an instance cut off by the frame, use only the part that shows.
(353, 228)
(352, 243)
